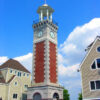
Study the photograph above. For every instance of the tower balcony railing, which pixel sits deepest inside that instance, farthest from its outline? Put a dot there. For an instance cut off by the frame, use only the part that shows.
(37, 21)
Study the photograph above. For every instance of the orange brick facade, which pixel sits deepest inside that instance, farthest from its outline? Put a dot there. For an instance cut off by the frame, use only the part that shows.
(53, 73)
(39, 62)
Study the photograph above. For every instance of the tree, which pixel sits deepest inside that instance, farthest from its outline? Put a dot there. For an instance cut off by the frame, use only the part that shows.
(80, 96)
(66, 95)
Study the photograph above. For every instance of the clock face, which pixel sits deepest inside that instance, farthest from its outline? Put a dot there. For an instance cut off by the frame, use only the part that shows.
(40, 34)
(52, 34)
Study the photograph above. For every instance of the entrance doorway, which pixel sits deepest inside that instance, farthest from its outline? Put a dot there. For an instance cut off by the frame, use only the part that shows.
(37, 96)
(55, 96)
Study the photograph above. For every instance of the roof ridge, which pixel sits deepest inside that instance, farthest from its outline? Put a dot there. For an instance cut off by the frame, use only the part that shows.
(14, 64)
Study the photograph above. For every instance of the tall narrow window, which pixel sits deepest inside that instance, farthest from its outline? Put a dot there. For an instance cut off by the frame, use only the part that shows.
(97, 84)
(92, 84)
(98, 63)
(93, 66)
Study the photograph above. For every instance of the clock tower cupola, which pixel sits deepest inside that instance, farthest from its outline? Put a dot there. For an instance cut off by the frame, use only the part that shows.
(45, 63)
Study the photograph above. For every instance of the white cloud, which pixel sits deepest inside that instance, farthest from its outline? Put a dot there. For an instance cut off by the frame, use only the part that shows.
(3, 59)
(26, 60)
(72, 50)
(70, 55)
(70, 71)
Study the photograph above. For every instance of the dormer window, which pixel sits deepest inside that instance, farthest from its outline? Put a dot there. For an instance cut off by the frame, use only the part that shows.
(24, 74)
(10, 70)
(19, 74)
(96, 64)
(27, 75)
(15, 72)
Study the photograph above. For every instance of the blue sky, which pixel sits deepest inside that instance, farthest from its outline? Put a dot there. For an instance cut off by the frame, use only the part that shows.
(17, 16)
(78, 26)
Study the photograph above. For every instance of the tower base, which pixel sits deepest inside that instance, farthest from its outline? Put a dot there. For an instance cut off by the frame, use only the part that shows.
(45, 93)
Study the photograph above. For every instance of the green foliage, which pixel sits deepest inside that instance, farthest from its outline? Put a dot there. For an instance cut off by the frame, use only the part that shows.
(66, 95)
(80, 96)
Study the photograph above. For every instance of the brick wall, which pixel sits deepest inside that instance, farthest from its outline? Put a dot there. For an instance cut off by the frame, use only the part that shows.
(39, 62)
(53, 73)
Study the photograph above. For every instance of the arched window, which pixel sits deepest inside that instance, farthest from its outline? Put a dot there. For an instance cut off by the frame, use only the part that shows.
(37, 96)
(56, 96)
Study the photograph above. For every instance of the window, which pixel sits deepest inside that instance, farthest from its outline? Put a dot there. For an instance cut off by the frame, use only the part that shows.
(15, 72)
(27, 75)
(15, 83)
(98, 49)
(93, 66)
(95, 85)
(15, 96)
(19, 73)
(92, 85)
(10, 71)
(26, 86)
(96, 64)
(24, 96)
(24, 74)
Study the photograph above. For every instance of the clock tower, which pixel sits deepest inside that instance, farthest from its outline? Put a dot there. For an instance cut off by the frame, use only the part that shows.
(45, 84)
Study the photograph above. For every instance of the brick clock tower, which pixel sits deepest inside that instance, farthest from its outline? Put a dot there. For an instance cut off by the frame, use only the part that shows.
(45, 84)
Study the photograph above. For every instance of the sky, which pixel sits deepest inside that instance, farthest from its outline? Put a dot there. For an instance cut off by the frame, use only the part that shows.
(79, 24)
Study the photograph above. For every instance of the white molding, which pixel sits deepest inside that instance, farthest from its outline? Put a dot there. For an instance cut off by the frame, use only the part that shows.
(33, 64)
(45, 38)
(95, 60)
(57, 63)
(91, 99)
(46, 58)
(95, 85)
(88, 52)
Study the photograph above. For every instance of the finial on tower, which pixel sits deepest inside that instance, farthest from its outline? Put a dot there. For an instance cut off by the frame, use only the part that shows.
(45, 1)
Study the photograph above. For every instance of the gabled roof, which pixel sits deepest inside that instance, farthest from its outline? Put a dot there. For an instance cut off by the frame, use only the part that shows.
(11, 63)
(2, 80)
(90, 48)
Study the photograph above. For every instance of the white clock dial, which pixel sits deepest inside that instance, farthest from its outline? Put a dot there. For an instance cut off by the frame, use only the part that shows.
(52, 34)
(40, 34)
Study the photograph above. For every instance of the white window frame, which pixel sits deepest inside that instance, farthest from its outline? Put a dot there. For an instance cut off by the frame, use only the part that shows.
(95, 85)
(95, 60)
(15, 72)
(24, 74)
(97, 49)
(11, 72)
(19, 74)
